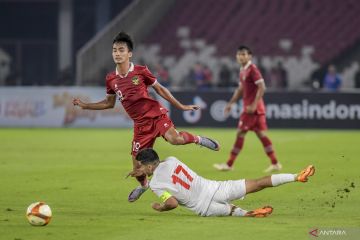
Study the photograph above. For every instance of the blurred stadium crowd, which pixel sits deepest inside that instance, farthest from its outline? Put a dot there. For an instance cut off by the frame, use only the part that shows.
(309, 44)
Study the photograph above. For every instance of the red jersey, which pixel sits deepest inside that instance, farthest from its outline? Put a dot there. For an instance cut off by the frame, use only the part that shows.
(250, 76)
(132, 92)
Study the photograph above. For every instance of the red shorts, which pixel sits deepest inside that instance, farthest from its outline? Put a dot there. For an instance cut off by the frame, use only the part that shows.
(252, 122)
(146, 133)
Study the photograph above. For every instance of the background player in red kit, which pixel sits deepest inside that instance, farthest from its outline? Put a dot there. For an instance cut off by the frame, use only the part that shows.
(251, 89)
(129, 83)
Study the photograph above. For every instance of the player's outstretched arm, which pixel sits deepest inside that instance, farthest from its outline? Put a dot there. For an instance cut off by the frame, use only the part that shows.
(235, 97)
(166, 94)
(168, 205)
(108, 102)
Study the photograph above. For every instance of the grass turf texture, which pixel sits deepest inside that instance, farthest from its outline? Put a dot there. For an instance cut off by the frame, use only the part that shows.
(80, 174)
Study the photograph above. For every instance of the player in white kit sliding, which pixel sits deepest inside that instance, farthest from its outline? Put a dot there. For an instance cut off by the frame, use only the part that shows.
(176, 184)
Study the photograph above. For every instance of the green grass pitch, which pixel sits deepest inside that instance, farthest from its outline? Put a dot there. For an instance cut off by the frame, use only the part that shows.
(80, 174)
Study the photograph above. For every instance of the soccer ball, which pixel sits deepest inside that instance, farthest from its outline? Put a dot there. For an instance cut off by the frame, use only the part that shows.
(38, 214)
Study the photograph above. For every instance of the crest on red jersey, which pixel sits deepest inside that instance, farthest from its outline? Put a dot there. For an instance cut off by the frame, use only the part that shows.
(135, 80)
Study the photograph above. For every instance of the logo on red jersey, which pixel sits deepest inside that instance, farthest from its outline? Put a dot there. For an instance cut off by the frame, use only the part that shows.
(135, 80)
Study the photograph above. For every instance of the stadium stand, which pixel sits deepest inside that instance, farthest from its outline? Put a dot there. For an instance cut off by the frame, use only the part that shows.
(187, 32)
(263, 25)
(303, 46)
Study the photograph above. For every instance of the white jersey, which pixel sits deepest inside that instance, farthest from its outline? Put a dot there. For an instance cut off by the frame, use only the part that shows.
(174, 178)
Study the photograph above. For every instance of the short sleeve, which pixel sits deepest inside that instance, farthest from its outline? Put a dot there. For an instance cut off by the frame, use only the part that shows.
(149, 78)
(256, 75)
(162, 194)
(109, 90)
(159, 190)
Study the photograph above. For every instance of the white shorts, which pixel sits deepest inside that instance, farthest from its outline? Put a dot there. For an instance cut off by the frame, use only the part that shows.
(227, 192)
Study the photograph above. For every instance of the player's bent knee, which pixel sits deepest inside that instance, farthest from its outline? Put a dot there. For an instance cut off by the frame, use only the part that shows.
(241, 133)
(253, 186)
(260, 134)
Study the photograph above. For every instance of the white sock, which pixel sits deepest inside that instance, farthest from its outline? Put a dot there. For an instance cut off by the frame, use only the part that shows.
(278, 179)
(238, 212)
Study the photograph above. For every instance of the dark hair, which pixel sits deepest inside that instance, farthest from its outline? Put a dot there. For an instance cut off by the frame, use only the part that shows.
(245, 48)
(123, 37)
(147, 156)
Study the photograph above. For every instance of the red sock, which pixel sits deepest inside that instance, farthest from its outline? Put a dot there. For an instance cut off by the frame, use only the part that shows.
(266, 142)
(143, 181)
(235, 150)
(189, 138)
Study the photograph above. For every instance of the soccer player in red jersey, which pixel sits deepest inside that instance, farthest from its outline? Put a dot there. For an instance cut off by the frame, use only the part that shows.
(251, 89)
(129, 83)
